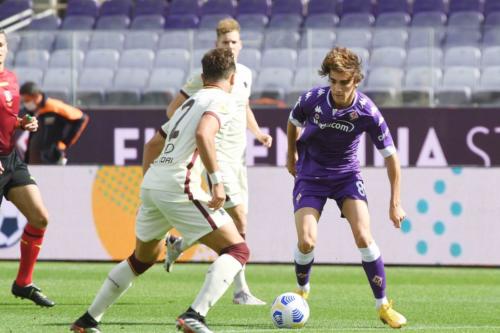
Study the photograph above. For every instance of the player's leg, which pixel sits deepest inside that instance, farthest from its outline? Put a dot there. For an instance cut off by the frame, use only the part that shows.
(356, 212)
(28, 200)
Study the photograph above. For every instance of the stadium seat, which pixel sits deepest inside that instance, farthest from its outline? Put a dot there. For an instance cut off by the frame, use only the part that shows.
(13, 7)
(173, 58)
(357, 20)
(60, 80)
(458, 83)
(176, 39)
(137, 58)
(304, 80)
(185, 7)
(272, 83)
(126, 91)
(37, 41)
(102, 58)
(252, 39)
(250, 58)
(394, 37)
(112, 22)
(69, 40)
(252, 21)
(187, 21)
(492, 20)
(388, 57)
(383, 86)
(111, 40)
(204, 39)
(150, 7)
(356, 6)
(49, 22)
(148, 22)
(465, 5)
(287, 7)
(285, 21)
(425, 56)
(218, 7)
(460, 36)
(66, 58)
(393, 6)
(311, 58)
(488, 92)
(141, 40)
(363, 54)
(316, 7)
(321, 21)
(254, 7)
(425, 37)
(462, 56)
(429, 6)
(469, 20)
(317, 38)
(491, 37)
(78, 23)
(419, 86)
(162, 85)
(354, 38)
(393, 20)
(281, 39)
(490, 56)
(32, 58)
(13, 42)
(25, 74)
(210, 21)
(82, 8)
(279, 58)
(92, 84)
(116, 7)
(429, 20)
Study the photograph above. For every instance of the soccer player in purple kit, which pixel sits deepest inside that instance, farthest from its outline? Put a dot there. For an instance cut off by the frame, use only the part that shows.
(324, 130)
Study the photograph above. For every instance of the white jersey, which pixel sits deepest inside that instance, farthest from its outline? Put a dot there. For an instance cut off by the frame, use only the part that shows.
(178, 168)
(231, 144)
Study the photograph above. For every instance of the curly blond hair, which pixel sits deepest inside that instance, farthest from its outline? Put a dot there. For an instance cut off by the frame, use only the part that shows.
(341, 59)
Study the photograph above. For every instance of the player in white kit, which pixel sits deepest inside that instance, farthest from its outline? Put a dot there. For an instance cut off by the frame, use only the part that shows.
(231, 147)
(172, 197)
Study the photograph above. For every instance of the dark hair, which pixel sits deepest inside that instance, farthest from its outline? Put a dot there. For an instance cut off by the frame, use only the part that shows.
(218, 64)
(341, 59)
(29, 88)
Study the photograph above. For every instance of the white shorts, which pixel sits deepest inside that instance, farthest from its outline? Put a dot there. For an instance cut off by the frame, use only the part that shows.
(235, 184)
(193, 219)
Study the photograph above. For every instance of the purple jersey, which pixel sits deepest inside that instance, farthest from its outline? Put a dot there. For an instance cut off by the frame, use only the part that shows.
(327, 146)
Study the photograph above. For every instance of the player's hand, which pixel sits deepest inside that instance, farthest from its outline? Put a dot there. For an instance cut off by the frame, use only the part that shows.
(397, 215)
(291, 162)
(29, 123)
(1, 168)
(265, 139)
(218, 196)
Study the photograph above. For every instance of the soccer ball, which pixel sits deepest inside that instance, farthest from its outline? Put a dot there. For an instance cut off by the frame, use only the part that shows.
(289, 310)
(12, 223)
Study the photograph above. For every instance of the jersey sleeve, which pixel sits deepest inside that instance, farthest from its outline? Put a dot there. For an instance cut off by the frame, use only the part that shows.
(298, 115)
(163, 129)
(380, 134)
(193, 85)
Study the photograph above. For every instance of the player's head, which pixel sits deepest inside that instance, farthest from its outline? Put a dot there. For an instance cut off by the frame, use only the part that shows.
(343, 68)
(3, 49)
(218, 68)
(31, 95)
(228, 36)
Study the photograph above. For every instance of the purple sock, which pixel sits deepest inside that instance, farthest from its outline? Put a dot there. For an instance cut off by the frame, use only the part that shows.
(302, 272)
(376, 276)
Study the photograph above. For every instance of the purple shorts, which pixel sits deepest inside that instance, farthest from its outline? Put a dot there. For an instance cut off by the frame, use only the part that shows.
(313, 193)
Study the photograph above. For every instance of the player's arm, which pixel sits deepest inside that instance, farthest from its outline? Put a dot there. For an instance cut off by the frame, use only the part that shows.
(176, 102)
(152, 150)
(74, 130)
(205, 141)
(292, 134)
(253, 126)
(396, 212)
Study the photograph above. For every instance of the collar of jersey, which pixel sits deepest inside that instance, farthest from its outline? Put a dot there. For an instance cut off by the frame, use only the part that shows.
(329, 100)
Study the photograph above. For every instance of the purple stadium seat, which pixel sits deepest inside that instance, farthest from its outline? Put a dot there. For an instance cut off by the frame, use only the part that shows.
(116, 7)
(150, 7)
(465, 5)
(493, 19)
(357, 6)
(77, 22)
(390, 6)
(491, 6)
(185, 7)
(212, 7)
(322, 7)
(254, 7)
(285, 21)
(429, 6)
(287, 7)
(357, 20)
(12, 7)
(321, 21)
(148, 22)
(253, 21)
(182, 22)
(113, 22)
(50, 22)
(82, 7)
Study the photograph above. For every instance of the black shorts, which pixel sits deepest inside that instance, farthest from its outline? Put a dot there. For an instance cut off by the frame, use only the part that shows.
(15, 174)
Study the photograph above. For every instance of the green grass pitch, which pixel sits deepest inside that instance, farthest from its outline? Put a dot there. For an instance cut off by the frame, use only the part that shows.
(433, 299)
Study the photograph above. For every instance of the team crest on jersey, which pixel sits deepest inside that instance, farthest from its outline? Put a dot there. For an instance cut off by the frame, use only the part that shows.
(8, 97)
(353, 115)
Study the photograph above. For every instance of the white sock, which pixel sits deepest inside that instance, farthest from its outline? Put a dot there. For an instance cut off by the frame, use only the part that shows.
(117, 282)
(219, 277)
(240, 282)
(303, 258)
(370, 253)
(380, 301)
